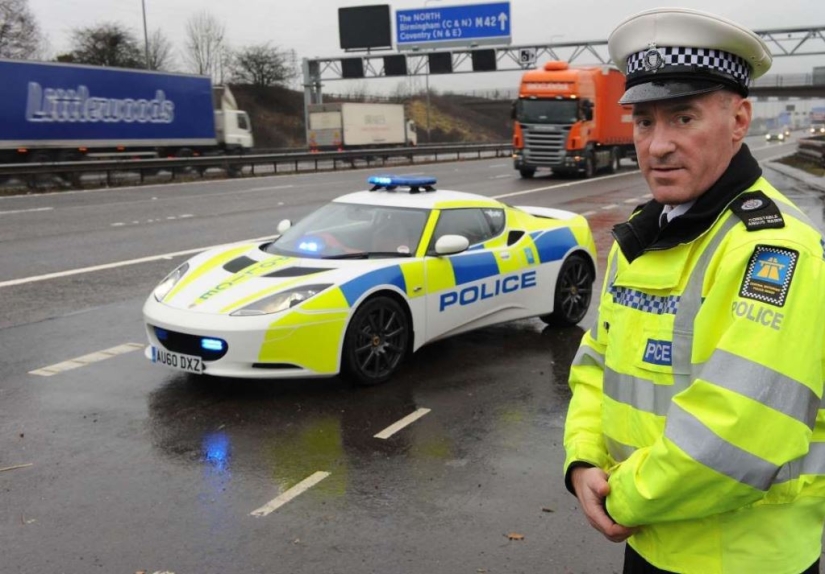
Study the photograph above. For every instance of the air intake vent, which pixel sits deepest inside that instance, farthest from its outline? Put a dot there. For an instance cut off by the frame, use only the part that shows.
(295, 271)
(238, 264)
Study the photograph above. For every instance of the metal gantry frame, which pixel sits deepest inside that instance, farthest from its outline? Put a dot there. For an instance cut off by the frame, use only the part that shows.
(783, 42)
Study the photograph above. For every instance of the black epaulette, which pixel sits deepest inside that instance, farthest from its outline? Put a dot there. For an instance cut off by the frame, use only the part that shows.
(757, 211)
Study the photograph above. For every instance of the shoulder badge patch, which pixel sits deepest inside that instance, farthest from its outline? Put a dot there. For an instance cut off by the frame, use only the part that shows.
(757, 211)
(769, 273)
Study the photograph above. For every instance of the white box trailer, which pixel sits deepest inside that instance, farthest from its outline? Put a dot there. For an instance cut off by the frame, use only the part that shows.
(357, 125)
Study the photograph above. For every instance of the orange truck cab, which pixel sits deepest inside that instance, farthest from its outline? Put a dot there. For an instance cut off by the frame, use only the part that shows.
(569, 120)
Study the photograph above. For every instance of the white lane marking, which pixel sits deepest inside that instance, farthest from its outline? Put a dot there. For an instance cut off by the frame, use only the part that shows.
(588, 213)
(495, 165)
(611, 206)
(285, 497)
(632, 200)
(168, 218)
(568, 184)
(26, 210)
(95, 357)
(59, 274)
(394, 428)
(502, 176)
(271, 187)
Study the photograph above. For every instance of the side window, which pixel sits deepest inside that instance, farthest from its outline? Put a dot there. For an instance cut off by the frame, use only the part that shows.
(471, 223)
(242, 122)
(495, 217)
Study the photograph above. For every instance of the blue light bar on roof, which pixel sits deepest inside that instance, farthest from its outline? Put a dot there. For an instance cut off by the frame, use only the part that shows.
(390, 182)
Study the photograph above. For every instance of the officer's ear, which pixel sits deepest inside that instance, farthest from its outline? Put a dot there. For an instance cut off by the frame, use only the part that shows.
(742, 111)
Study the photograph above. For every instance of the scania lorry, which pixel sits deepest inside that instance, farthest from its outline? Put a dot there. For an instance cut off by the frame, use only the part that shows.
(67, 112)
(569, 120)
(358, 126)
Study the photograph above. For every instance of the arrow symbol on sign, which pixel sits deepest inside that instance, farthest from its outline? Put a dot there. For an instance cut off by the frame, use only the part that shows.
(502, 19)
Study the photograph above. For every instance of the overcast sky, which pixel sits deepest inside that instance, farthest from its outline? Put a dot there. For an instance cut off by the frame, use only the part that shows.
(310, 27)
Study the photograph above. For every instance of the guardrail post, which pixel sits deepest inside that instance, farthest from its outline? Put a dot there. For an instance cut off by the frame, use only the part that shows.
(108, 178)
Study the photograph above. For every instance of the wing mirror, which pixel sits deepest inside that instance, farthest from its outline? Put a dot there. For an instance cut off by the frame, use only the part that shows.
(451, 244)
(283, 226)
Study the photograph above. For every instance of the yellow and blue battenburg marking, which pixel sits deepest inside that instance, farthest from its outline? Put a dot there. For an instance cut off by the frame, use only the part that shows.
(769, 273)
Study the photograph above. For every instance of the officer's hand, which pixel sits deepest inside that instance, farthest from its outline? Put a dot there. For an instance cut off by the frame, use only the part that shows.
(591, 489)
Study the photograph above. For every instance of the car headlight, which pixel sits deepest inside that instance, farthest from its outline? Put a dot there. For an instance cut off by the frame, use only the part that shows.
(781, 137)
(280, 301)
(162, 290)
(767, 136)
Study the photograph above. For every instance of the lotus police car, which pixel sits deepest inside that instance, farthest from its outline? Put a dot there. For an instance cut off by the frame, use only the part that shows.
(369, 278)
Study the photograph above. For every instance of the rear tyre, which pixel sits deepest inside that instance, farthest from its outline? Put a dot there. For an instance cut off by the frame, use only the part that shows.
(574, 290)
(527, 173)
(376, 343)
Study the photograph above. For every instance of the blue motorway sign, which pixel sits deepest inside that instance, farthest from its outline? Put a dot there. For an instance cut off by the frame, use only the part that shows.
(473, 24)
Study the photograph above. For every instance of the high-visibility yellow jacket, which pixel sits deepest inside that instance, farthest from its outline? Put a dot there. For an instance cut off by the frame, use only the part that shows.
(698, 390)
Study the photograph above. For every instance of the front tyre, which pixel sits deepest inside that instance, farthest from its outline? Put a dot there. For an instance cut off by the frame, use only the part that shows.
(377, 341)
(574, 290)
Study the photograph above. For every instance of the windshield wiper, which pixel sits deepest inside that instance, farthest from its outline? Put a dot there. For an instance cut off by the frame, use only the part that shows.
(367, 255)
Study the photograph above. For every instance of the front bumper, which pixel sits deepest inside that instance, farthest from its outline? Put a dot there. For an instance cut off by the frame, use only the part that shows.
(260, 347)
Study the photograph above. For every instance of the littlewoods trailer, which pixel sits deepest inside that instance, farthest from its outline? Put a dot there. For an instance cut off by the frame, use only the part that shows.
(65, 112)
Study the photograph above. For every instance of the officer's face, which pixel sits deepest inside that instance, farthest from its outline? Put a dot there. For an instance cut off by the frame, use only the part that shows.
(684, 145)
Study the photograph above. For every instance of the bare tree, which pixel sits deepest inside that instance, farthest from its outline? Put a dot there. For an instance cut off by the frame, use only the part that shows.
(205, 51)
(20, 36)
(262, 65)
(161, 56)
(106, 44)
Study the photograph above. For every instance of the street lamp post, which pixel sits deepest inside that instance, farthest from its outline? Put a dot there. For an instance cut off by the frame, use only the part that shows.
(145, 34)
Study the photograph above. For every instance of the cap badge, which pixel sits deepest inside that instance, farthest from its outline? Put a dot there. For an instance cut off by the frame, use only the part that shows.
(652, 60)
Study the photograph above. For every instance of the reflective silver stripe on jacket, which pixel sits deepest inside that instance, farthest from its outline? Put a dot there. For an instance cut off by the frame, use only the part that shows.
(588, 357)
(762, 384)
(706, 447)
(620, 452)
(612, 268)
(639, 393)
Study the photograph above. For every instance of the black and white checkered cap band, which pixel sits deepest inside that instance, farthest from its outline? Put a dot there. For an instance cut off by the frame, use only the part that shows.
(714, 60)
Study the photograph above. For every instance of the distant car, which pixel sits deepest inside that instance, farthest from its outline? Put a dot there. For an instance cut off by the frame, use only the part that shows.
(364, 281)
(775, 136)
(787, 133)
(817, 129)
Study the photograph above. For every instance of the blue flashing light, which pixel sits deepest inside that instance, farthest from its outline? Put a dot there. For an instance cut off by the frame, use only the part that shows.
(212, 344)
(161, 334)
(390, 182)
(308, 246)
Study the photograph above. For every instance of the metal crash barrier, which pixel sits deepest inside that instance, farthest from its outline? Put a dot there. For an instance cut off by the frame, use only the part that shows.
(68, 174)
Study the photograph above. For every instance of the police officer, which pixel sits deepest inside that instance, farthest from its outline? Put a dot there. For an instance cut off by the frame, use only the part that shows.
(694, 430)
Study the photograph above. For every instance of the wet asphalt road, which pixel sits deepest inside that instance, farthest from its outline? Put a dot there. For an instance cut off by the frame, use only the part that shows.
(133, 467)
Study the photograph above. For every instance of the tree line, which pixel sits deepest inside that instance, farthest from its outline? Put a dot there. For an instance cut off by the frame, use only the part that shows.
(205, 50)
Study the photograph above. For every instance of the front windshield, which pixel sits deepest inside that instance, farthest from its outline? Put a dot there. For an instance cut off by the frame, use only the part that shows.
(349, 230)
(547, 111)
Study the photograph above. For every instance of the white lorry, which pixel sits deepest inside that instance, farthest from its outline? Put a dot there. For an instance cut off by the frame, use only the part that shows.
(356, 125)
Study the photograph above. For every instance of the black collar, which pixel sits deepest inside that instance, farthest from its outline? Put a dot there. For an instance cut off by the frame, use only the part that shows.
(642, 232)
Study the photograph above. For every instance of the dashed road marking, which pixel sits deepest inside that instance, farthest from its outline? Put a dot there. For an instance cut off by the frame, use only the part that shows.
(568, 184)
(394, 428)
(26, 210)
(149, 259)
(588, 213)
(611, 206)
(285, 497)
(95, 357)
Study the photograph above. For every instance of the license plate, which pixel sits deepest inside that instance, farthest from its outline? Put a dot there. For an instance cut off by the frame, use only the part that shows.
(179, 361)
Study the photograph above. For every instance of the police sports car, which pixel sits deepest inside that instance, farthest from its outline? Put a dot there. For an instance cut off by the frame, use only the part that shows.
(364, 281)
